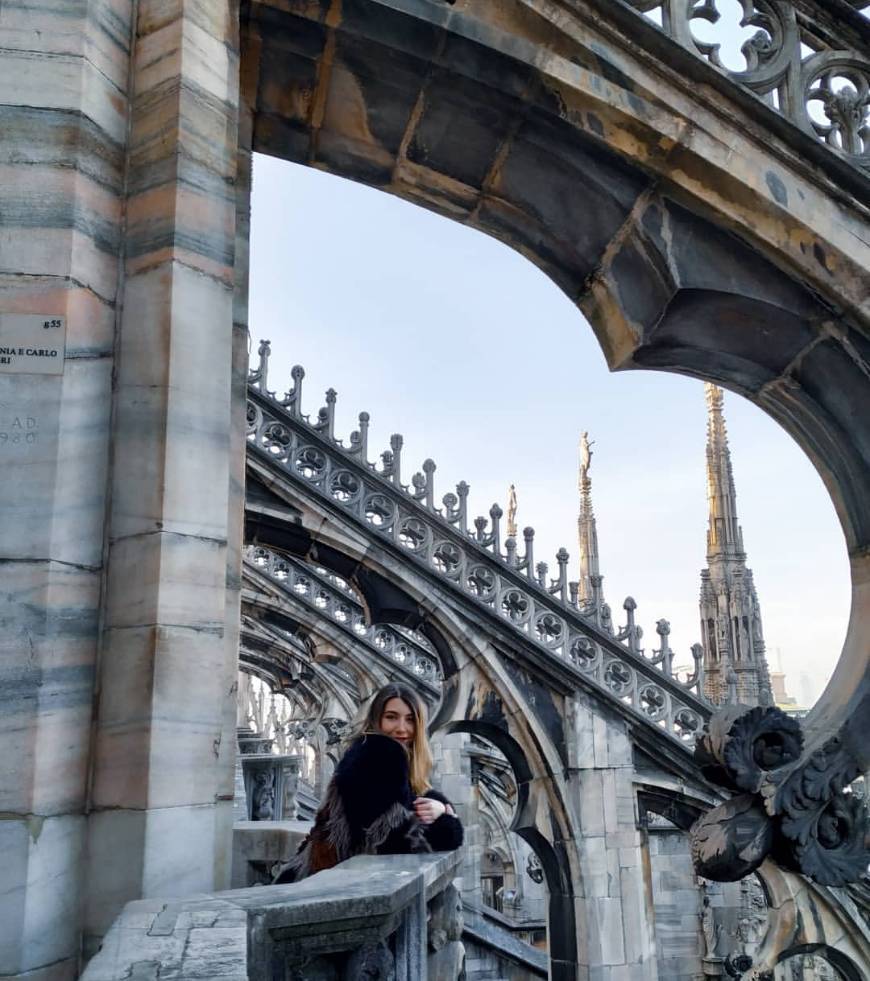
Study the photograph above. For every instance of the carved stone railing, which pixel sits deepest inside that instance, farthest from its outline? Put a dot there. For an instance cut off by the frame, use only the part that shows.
(397, 914)
(808, 60)
(514, 957)
(330, 596)
(486, 571)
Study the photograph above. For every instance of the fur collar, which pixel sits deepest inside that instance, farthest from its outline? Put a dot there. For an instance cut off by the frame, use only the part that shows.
(331, 839)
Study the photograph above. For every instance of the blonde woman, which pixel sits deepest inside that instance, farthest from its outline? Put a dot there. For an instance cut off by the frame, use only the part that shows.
(379, 800)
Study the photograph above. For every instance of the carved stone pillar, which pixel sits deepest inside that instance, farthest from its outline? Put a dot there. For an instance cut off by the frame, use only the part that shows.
(614, 912)
(162, 768)
(65, 115)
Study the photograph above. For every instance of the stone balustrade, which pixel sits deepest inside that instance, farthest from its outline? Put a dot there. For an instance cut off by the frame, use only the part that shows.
(396, 913)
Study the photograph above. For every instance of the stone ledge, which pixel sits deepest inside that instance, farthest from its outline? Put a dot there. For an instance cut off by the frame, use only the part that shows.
(230, 935)
(264, 842)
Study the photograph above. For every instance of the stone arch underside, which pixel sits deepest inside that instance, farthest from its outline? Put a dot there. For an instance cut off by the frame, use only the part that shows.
(692, 244)
(326, 641)
(306, 682)
(811, 919)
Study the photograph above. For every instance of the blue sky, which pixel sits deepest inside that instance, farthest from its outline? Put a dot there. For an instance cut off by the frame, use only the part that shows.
(468, 350)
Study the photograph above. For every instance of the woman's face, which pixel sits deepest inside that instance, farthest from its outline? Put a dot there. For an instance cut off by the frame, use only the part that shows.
(397, 720)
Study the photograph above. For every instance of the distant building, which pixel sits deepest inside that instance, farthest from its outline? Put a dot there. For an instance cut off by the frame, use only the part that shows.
(781, 698)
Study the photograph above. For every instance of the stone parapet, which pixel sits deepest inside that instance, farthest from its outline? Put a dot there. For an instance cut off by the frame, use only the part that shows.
(369, 910)
(258, 845)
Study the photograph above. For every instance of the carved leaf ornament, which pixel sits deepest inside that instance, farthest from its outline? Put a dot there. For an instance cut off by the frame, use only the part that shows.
(796, 810)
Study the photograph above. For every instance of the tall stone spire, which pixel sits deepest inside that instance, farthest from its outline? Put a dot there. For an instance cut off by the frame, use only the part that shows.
(734, 661)
(589, 590)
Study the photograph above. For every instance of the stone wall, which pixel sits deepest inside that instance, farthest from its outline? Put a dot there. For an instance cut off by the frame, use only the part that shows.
(492, 950)
(121, 464)
(610, 853)
(125, 224)
(677, 904)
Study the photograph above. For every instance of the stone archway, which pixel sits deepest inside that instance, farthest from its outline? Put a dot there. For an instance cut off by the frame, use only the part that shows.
(649, 195)
(617, 183)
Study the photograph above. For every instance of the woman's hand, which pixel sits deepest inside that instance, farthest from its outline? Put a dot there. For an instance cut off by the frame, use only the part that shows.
(428, 810)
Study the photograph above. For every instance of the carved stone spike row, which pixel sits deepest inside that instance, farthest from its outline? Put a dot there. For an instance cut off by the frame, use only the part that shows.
(795, 809)
(804, 69)
(472, 558)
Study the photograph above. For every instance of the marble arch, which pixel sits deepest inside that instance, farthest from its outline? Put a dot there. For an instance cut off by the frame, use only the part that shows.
(681, 234)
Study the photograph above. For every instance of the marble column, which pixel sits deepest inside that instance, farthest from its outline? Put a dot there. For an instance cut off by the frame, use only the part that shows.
(64, 76)
(614, 915)
(161, 801)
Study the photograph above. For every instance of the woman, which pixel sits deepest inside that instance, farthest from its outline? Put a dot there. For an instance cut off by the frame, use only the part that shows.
(379, 800)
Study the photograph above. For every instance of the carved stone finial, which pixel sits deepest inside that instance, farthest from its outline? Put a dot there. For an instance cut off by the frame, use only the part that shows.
(741, 746)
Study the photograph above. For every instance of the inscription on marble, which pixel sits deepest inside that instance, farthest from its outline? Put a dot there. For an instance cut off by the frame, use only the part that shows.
(18, 430)
(32, 344)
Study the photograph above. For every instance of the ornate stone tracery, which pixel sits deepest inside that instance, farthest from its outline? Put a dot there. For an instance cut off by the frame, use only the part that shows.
(803, 60)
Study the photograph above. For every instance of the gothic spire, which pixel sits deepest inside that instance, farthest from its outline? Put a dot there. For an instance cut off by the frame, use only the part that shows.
(724, 536)
(589, 581)
(735, 665)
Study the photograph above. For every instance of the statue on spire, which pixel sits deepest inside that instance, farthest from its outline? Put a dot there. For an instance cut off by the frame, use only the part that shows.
(589, 592)
(512, 512)
(585, 455)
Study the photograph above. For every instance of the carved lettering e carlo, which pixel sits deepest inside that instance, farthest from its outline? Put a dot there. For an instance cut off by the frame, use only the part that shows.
(33, 344)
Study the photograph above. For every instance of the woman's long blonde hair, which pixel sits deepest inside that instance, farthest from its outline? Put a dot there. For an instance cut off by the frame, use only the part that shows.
(419, 753)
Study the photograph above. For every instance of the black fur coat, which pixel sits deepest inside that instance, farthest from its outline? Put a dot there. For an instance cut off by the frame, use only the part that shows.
(368, 810)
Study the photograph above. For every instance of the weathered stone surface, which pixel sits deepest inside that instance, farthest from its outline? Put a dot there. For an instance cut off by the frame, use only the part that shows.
(350, 912)
(372, 961)
(264, 843)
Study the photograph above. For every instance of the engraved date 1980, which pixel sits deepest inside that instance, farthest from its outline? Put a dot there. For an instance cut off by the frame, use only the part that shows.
(19, 431)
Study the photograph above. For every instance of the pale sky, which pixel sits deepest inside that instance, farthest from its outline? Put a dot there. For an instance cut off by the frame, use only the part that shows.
(467, 349)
